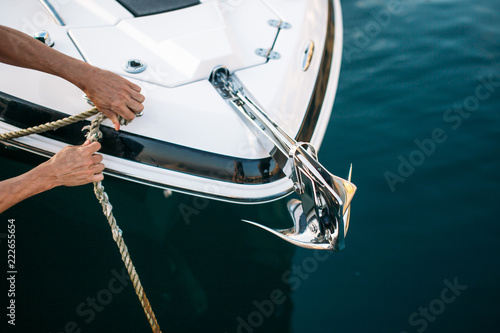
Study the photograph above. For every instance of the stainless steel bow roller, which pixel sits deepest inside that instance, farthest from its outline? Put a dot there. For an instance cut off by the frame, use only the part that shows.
(321, 216)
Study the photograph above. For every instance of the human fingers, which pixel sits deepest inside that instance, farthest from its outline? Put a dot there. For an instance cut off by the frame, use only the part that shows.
(135, 106)
(97, 168)
(114, 119)
(124, 110)
(96, 158)
(97, 177)
(112, 116)
(137, 96)
(134, 86)
(91, 148)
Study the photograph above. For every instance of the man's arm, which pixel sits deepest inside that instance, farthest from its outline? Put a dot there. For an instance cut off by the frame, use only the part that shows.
(72, 166)
(111, 94)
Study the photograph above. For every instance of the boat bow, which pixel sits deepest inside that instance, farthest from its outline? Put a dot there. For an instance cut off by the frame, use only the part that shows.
(321, 217)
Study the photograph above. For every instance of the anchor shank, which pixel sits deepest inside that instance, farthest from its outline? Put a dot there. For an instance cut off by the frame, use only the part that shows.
(322, 216)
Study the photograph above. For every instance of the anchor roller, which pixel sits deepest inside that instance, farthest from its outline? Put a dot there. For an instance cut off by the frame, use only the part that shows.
(321, 216)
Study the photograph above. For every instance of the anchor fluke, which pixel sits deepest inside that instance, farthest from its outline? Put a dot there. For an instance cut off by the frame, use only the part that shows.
(301, 234)
(319, 229)
(321, 216)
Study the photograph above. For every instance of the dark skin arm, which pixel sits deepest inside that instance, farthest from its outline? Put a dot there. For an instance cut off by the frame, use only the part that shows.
(110, 93)
(72, 166)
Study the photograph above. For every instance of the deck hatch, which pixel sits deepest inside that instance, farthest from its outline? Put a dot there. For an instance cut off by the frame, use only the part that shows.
(151, 7)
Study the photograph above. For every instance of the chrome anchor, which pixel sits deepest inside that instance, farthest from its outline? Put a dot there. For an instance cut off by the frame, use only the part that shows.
(321, 217)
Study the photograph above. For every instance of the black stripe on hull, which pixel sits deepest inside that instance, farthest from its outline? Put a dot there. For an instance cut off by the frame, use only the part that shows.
(166, 155)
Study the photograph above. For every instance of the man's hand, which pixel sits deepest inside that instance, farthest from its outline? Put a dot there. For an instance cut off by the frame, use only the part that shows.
(74, 165)
(113, 95)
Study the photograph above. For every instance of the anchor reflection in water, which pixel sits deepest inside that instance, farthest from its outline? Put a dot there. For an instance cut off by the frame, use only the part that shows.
(203, 270)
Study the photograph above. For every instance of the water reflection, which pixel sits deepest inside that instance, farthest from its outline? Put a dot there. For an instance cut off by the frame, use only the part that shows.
(202, 268)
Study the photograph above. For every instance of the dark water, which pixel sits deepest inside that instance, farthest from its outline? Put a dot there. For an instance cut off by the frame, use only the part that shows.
(417, 113)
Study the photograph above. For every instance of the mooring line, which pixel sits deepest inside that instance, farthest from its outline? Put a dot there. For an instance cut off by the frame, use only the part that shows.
(95, 134)
(49, 126)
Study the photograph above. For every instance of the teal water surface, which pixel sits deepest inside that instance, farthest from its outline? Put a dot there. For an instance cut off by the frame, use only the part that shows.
(417, 113)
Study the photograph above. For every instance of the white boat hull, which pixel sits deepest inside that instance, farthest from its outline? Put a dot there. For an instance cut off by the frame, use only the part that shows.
(188, 139)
